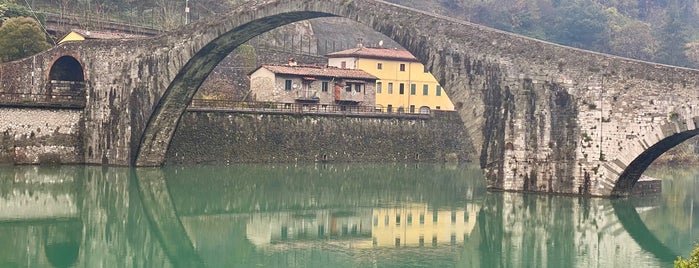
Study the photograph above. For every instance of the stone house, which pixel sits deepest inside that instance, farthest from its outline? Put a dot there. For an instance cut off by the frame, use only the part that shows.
(309, 84)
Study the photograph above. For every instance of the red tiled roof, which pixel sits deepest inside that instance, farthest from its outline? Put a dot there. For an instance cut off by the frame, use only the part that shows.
(319, 71)
(87, 34)
(374, 53)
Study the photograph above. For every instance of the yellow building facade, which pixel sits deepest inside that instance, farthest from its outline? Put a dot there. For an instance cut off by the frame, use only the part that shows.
(403, 85)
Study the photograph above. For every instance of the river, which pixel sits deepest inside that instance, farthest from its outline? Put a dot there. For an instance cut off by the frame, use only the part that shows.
(328, 215)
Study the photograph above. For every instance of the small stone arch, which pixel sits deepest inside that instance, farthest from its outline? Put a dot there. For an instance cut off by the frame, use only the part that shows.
(67, 68)
(66, 82)
(633, 171)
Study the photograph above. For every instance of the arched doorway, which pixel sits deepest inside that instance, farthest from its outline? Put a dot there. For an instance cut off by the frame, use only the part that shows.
(67, 82)
(67, 68)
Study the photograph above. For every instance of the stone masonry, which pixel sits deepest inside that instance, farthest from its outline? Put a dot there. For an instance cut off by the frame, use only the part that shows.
(542, 117)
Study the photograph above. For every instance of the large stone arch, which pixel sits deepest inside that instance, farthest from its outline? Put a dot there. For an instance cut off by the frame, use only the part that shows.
(252, 19)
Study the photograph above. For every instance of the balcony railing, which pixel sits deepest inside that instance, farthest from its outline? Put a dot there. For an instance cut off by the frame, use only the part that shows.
(296, 108)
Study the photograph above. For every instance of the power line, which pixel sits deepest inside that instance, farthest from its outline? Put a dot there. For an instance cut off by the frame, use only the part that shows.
(40, 24)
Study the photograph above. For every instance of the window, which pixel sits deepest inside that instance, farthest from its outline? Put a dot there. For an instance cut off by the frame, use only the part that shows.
(412, 109)
(425, 90)
(358, 87)
(401, 89)
(412, 89)
(324, 87)
(410, 219)
(439, 90)
(378, 87)
(397, 219)
(438, 107)
(390, 88)
(435, 216)
(348, 87)
(422, 218)
(343, 64)
(389, 109)
(402, 67)
(287, 84)
(379, 66)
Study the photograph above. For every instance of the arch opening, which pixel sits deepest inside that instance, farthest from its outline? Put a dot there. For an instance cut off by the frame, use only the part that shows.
(635, 169)
(165, 118)
(67, 68)
(153, 143)
(67, 82)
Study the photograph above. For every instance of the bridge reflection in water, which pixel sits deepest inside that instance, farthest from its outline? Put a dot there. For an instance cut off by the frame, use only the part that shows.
(310, 216)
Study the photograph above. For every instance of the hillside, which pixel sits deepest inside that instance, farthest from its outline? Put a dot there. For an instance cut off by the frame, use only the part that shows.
(665, 31)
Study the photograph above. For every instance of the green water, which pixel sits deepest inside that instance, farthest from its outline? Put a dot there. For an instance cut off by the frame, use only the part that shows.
(353, 215)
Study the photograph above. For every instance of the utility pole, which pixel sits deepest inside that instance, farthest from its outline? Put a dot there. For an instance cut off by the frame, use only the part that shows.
(186, 12)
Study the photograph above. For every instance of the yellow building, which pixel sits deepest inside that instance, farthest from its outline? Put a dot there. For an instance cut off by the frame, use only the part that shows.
(404, 84)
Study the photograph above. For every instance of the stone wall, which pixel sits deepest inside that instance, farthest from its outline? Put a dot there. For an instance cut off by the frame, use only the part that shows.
(40, 136)
(221, 137)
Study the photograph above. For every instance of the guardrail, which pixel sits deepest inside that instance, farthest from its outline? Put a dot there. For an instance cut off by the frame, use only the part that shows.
(296, 108)
(8, 99)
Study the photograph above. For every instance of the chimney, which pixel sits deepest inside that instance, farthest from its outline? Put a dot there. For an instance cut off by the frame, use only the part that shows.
(359, 42)
(292, 62)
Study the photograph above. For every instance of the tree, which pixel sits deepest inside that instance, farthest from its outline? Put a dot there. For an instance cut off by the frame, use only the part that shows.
(629, 37)
(21, 37)
(673, 35)
(12, 10)
(692, 262)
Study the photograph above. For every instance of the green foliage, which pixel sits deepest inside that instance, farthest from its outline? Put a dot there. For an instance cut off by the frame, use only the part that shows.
(12, 10)
(660, 31)
(691, 262)
(21, 37)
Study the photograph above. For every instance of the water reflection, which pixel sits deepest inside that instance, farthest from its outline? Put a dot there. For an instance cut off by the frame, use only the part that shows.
(318, 216)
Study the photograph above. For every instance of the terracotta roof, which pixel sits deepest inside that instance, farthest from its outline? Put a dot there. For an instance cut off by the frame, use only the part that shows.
(318, 71)
(105, 35)
(374, 53)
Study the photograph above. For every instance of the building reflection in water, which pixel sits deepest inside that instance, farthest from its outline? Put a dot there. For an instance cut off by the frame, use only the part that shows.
(410, 225)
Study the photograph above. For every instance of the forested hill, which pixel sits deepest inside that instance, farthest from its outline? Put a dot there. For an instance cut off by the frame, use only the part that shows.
(665, 31)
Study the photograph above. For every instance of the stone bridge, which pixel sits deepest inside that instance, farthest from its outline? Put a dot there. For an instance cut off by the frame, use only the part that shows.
(541, 117)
